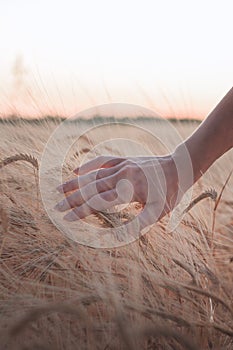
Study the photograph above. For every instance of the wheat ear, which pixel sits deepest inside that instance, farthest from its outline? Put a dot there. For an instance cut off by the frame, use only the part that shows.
(20, 156)
(211, 193)
(26, 158)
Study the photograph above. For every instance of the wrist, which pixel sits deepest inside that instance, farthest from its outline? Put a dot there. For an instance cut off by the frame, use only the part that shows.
(187, 174)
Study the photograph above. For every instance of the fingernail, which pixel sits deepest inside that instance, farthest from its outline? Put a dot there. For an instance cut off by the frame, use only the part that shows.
(60, 188)
(60, 206)
(71, 216)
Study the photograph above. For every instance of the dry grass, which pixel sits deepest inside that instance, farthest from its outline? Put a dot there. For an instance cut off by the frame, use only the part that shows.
(164, 291)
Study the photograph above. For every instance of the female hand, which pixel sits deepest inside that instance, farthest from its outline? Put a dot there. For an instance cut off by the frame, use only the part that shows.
(151, 181)
(107, 181)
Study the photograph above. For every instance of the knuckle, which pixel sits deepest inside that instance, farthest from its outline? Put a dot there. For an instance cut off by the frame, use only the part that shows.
(127, 162)
(100, 174)
(128, 169)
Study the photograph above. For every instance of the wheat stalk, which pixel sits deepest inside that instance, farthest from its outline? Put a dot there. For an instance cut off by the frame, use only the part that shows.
(26, 158)
(211, 193)
(217, 203)
(112, 219)
(115, 220)
(4, 219)
(20, 156)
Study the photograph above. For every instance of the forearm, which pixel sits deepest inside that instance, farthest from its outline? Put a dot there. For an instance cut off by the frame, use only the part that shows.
(213, 137)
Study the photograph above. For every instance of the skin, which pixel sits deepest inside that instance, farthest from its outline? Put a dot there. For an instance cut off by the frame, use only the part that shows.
(158, 182)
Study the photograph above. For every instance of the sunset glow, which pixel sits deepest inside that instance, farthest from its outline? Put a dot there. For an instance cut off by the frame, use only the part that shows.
(61, 57)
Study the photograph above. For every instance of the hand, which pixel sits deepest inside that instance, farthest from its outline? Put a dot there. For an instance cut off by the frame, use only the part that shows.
(151, 181)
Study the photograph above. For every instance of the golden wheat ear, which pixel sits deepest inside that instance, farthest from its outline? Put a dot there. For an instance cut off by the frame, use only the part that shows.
(211, 193)
(20, 157)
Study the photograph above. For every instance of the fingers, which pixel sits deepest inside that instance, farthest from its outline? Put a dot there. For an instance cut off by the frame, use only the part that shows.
(107, 200)
(85, 193)
(83, 180)
(105, 162)
(97, 163)
(69, 186)
(103, 201)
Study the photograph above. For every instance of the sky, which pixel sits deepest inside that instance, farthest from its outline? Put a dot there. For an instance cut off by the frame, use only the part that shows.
(61, 57)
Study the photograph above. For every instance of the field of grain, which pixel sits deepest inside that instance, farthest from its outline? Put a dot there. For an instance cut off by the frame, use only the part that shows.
(167, 290)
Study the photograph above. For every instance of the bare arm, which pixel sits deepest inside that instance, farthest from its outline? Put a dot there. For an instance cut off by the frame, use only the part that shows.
(213, 138)
(158, 182)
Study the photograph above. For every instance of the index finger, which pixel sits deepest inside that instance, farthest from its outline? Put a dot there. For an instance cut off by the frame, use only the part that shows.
(97, 163)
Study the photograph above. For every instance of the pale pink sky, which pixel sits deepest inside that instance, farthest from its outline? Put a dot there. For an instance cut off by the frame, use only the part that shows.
(61, 57)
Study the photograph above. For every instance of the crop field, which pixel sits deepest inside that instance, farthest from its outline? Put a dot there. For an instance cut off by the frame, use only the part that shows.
(169, 289)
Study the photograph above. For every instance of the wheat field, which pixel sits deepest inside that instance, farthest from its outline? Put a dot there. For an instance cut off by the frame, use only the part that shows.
(166, 290)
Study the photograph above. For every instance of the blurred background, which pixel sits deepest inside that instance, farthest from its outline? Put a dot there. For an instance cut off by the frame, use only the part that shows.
(62, 57)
